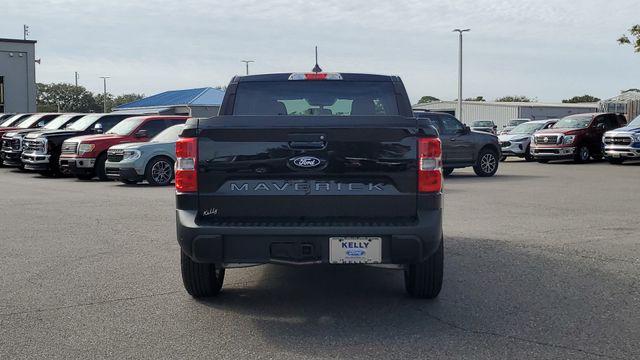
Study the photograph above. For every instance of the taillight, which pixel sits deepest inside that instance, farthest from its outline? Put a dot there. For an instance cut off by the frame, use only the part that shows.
(429, 165)
(186, 165)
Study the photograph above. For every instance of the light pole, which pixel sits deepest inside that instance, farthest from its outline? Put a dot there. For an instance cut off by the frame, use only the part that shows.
(104, 94)
(246, 62)
(460, 31)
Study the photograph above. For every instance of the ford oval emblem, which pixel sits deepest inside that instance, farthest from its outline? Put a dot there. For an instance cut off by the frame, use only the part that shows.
(355, 252)
(306, 162)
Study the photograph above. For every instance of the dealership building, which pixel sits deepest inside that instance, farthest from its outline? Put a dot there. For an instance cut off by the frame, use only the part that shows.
(501, 112)
(17, 76)
(198, 102)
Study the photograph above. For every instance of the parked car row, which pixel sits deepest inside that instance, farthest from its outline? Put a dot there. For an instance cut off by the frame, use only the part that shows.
(126, 147)
(579, 137)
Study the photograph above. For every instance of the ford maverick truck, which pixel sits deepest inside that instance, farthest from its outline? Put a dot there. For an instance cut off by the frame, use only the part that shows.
(310, 168)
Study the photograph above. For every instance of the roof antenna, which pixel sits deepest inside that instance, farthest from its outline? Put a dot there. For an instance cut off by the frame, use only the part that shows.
(317, 69)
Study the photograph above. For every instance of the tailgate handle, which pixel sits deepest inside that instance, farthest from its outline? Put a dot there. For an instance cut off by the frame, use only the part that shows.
(307, 144)
(307, 141)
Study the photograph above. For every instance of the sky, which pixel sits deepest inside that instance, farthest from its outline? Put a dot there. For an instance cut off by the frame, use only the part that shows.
(547, 50)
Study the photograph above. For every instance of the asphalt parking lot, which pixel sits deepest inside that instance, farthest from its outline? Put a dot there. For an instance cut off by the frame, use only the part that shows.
(541, 261)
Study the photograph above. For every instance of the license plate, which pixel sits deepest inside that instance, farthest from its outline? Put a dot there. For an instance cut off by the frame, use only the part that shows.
(355, 250)
(615, 155)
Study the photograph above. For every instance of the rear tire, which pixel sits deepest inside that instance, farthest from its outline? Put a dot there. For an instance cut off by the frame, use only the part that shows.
(447, 171)
(487, 163)
(615, 161)
(424, 280)
(201, 280)
(159, 171)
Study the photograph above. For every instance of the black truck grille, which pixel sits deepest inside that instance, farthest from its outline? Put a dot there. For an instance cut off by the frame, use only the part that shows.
(546, 139)
(115, 155)
(69, 147)
(617, 140)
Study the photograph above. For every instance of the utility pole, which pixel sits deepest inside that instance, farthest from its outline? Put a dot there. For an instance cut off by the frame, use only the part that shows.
(76, 75)
(104, 94)
(460, 31)
(246, 62)
(25, 31)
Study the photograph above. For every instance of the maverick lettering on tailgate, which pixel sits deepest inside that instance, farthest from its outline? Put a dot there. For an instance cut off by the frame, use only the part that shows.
(304, 187)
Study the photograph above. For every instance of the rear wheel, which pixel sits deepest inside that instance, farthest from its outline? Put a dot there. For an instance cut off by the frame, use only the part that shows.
(447, 171)
(615, 161)
(201, 280)
(159, 171)
(582, 154)
(487, 163)
(424, 280)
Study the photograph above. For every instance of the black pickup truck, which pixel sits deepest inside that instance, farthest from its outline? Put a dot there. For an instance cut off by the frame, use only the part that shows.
(310, 168)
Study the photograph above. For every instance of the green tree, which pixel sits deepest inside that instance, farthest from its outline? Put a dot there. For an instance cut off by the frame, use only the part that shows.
(427, 99)
(477, 98)
(99, 102)
(581, 99)
(632, 38)
(624, 91)
(514, 98)
(126, 98)
(63, 97)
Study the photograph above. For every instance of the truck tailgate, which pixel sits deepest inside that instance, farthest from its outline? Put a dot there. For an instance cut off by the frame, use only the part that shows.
(300, 168)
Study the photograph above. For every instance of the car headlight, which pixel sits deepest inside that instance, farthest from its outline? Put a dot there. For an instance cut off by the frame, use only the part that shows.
(568, 139)
(10, 134)
(85, 148)
(131, 155)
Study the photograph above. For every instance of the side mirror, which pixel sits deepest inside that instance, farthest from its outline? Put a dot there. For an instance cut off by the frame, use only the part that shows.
(141, 134)
(97, 128)
(465, 130)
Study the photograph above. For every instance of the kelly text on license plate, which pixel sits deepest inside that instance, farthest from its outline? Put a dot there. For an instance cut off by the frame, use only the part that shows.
(355, 250)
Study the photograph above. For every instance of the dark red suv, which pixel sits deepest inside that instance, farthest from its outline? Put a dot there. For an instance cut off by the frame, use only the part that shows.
(577, 137)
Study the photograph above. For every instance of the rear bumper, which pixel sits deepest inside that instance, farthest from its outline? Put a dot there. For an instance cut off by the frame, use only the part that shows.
(553, 152)
(300, 243)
